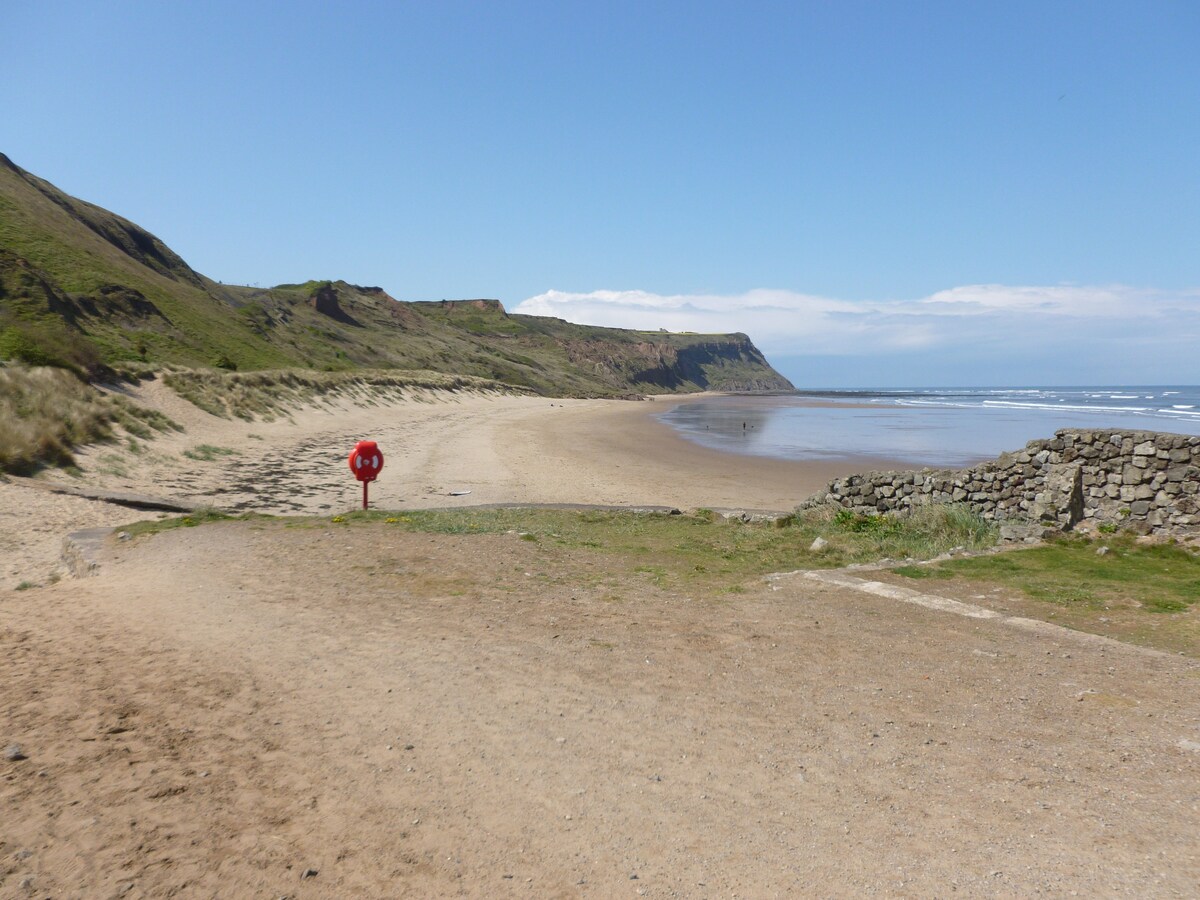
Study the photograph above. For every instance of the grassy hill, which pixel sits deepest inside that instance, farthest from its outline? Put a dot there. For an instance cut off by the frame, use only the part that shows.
(83, 288)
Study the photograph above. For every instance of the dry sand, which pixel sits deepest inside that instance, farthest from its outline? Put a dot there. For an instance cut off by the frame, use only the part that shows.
(265, 710)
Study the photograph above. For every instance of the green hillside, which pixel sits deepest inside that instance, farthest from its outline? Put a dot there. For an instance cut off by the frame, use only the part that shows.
(83, 288)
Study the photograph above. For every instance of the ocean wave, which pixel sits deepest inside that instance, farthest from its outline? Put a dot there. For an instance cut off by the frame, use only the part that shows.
(1014, 404)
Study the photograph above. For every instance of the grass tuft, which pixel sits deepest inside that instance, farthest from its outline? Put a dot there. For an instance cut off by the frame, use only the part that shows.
(208, 452)
(922, 534)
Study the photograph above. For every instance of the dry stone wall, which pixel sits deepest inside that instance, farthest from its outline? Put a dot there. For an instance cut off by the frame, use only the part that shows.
(1142, 480)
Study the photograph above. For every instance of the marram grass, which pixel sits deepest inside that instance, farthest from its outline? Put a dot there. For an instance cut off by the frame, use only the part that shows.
(46, 412)
(271, 393)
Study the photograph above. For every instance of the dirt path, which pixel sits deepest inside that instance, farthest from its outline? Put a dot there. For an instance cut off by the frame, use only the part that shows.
(226, 708)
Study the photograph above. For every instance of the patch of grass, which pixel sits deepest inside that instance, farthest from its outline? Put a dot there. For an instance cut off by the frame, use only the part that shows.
(113, 464)
(1158, 578)
(914, 571)
(24, 586)
(923, 534)
(191, 520)
(208, 453)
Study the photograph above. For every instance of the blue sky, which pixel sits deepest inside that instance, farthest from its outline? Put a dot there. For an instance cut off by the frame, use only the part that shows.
(878, 193)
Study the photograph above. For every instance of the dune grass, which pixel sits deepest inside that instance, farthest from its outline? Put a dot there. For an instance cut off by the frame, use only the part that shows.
(270, 394)
(47, 411)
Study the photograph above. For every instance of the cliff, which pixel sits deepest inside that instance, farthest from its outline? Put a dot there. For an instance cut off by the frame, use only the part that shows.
(84, 288)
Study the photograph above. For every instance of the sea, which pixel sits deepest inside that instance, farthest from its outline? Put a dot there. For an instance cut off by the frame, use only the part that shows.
(936, 427)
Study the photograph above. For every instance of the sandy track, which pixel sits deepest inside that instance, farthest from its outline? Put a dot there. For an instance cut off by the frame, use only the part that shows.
(416, 715)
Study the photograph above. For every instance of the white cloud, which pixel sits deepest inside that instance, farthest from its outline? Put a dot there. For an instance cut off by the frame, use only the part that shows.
(984, 316)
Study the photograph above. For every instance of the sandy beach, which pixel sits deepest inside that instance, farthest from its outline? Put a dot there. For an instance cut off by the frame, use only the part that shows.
(441, 450)
(311, 709)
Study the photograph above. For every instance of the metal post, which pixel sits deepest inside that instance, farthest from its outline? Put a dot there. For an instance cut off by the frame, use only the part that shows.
(365, 483)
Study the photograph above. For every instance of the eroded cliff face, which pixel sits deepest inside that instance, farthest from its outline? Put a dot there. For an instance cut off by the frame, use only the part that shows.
(672, 363)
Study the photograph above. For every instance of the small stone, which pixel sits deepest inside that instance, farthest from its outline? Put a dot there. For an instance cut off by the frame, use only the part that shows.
(13, 752)
(818, 545)
(1102, 551)
(309, 873)
(408, 746)
(123, 535)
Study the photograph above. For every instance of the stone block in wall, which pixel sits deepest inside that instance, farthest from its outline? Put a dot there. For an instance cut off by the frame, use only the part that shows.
(1146, 448)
